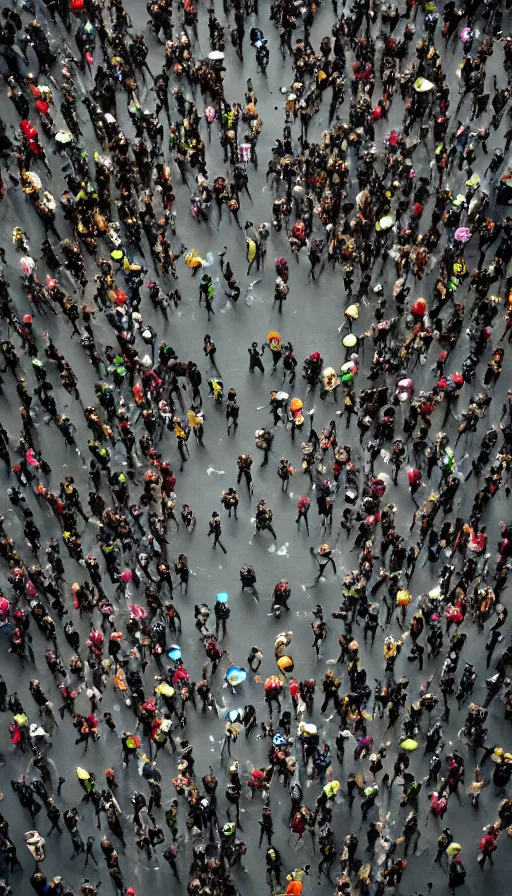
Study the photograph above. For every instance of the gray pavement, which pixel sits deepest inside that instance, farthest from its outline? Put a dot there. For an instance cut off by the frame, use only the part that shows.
(310, 320)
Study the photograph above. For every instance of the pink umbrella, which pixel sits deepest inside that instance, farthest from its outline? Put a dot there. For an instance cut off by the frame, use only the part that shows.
(29, 457)
(27, 264)
(463, 234)
(137, 611)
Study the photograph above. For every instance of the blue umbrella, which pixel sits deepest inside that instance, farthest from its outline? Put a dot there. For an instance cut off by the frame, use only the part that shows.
(232, 715)
(222, 597)
(235, 676)
(174, 652)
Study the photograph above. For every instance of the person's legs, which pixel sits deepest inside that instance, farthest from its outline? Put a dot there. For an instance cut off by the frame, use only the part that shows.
(271, 530)
(218, 541)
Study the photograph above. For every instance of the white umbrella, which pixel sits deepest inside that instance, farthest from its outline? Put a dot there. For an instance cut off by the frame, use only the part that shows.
(63, 137)
(216, 55)
(421, 85)
(34, 179)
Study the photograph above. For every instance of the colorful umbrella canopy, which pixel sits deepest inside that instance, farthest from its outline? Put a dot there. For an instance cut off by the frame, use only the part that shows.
(137, 611)
(409, 744)
(27, 264)
(34, 179)
(235, 676)
(285, 664)
(166, 690)
(421, 85)
(63, 137)
(385, 222)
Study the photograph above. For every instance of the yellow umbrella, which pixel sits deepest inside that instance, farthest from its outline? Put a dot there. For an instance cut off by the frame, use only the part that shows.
(165, 689)
(82, 774)
(409, 744)
(331, 788)
(251, 250)
(130, 267)
(352, 311)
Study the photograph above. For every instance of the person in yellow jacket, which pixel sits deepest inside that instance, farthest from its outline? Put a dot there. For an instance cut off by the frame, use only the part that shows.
(181, 437)
(196, 423)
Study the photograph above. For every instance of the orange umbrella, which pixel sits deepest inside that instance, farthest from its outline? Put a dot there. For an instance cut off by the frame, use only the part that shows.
(285, 664)
(296, 405)
(119, 679)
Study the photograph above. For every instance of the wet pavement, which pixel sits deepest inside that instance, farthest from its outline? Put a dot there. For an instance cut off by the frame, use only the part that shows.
(311, 317)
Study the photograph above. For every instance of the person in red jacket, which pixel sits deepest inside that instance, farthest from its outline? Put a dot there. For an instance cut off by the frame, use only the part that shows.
(488, 844)
(414, 477)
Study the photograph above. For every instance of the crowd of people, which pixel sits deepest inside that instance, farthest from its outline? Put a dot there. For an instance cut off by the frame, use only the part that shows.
(382, 172)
